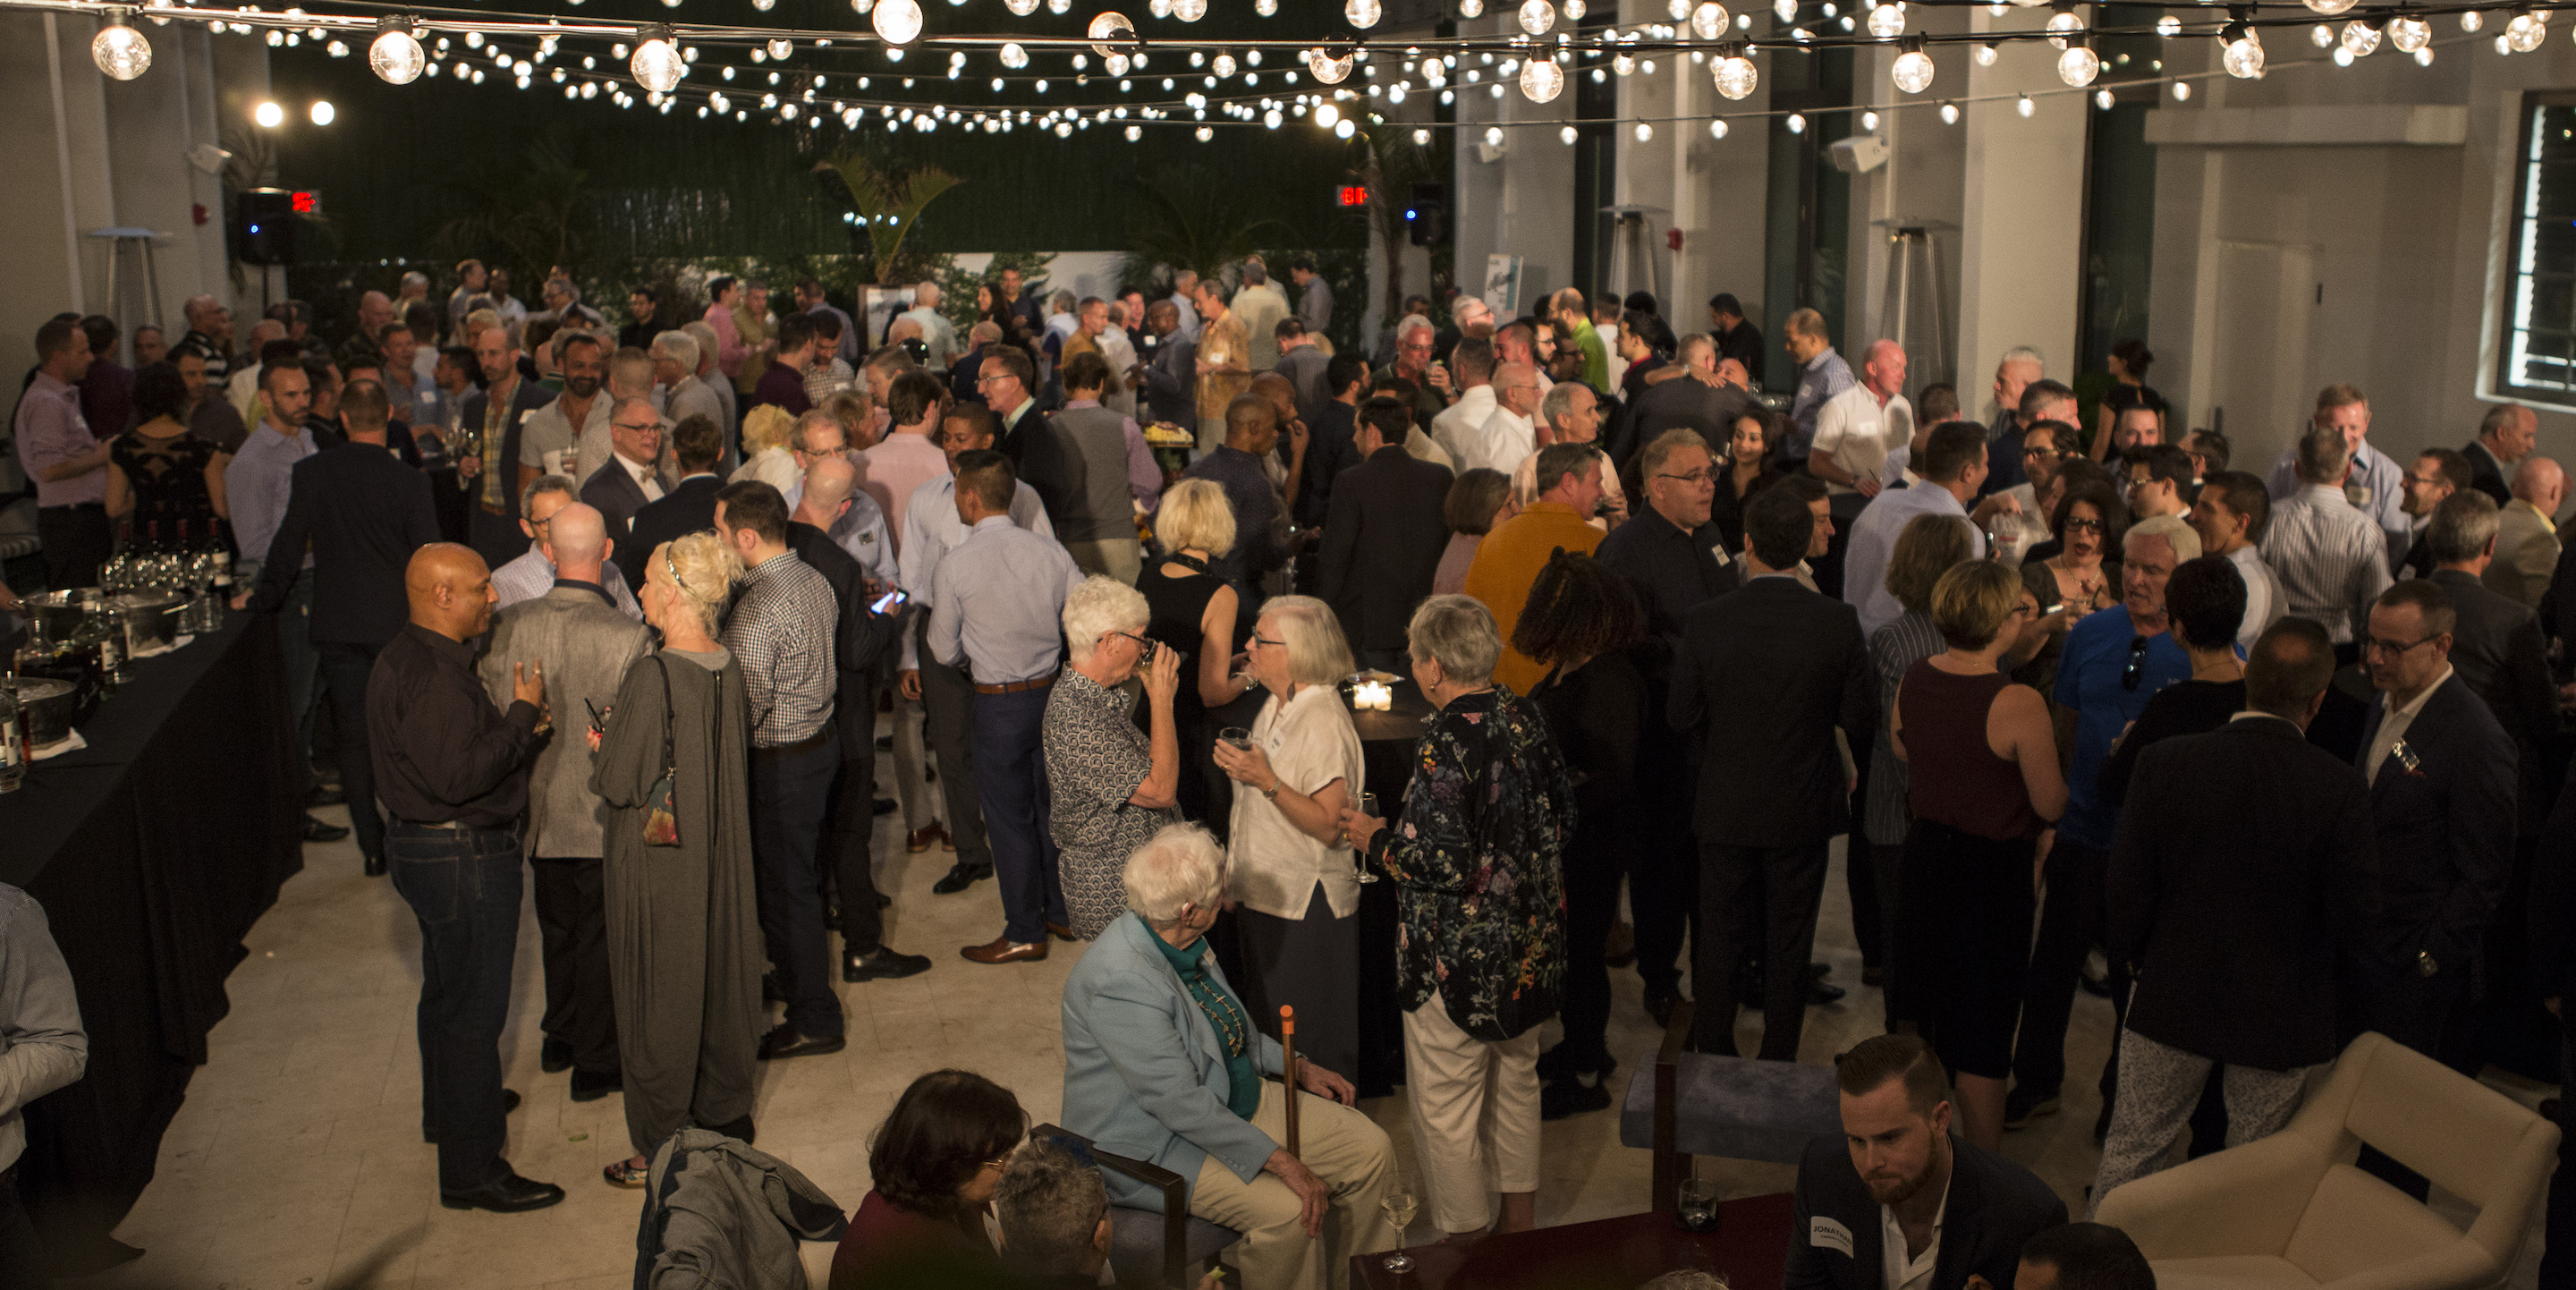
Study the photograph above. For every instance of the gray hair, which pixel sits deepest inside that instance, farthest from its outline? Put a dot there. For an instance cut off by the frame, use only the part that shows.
(1559, 400)
(1180, 865)
(2020, 354)
(1100, 606)
(2323, 456)
(539, 487)
(815, 417)
(703, 332)
(1050, 1206)
(1410, 324)
(1317, 652)
(1060, 302)
(2176, 531)
(1458, 633)
(678, 346)
(2462, 526)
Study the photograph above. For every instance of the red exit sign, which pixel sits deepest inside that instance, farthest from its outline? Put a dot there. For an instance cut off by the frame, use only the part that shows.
(308, 202)
(1352, 194)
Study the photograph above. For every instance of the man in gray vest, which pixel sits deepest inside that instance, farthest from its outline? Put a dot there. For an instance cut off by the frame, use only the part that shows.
(1090, 466)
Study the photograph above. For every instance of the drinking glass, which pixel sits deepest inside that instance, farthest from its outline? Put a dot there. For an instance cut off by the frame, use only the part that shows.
(1236, 737)
(1695, 1205)
(1399, 1203)
(1367, 807)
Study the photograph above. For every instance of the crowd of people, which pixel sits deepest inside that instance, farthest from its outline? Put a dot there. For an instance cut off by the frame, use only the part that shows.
(2278, 745)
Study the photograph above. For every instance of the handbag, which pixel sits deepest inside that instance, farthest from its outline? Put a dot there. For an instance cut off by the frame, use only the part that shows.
(661, 815)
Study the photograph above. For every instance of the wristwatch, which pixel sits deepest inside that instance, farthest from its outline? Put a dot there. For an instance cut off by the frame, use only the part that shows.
(1272, 792)
(2424, 964)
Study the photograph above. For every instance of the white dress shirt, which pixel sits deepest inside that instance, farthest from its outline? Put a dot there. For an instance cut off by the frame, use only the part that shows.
(1900, 1272)
(1852, 431)
(1873, 544)
(644, 475)
(1500, 443)
(2262, 595)
(1460, 420)
(2394, 725)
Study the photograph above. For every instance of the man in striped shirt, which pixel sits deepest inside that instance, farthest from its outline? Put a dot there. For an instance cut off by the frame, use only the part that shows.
(2375, 484)
(781, 634)
(2332, 560)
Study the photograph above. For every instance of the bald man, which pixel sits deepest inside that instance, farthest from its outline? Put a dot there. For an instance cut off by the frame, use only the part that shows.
(1511, 433)
(633, 476)
(586, 642)
(862, 645)
(453, 769)
(2526, 548)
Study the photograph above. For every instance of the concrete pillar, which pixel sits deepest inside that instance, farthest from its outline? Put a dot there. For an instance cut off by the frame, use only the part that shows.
(1520, 202)
(2022, 211)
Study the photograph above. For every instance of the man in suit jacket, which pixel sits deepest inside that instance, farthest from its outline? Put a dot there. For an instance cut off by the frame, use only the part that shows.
(2527, 547)
(2505, 437)
(631, 480)
(362, 513)
(1694, 399)
(1383, 536)
(2496, 647)
(1897, 1175)
(1790, 663)
(585, 644)
(2242, 871)
(491, 474)
(690, 506)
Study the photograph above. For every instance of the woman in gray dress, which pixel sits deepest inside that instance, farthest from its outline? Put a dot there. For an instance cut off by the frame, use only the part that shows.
(684, 949)
(1110, 786)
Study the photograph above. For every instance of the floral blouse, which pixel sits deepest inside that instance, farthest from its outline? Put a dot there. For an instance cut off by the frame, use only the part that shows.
(1477, 862)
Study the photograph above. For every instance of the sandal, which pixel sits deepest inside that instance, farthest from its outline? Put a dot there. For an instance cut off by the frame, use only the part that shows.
(628, 1173)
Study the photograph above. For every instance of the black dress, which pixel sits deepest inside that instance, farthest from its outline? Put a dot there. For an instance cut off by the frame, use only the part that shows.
(168, 480)
(1597, 715)
(1727, 509)
(1175, 607)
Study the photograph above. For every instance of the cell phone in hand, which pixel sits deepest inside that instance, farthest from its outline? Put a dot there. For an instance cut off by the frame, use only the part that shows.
(889, 602)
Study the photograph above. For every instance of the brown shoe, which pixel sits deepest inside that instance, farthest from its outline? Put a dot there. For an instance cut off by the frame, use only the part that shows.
(920, 839)
(1001, 949)
(1060, 931)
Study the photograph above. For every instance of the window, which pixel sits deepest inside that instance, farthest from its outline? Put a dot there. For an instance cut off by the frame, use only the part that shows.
(2538, 356)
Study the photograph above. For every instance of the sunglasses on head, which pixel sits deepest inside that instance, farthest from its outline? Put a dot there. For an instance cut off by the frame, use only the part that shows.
(2130, 675)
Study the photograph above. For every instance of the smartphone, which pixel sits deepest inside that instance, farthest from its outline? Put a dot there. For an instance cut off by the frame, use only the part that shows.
(889, 602)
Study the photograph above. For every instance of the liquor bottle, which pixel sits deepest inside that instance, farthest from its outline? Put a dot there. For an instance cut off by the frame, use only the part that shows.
(100, 641)
(13, 741)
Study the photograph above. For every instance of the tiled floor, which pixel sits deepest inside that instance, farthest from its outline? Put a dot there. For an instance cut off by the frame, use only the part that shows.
(297, 1160)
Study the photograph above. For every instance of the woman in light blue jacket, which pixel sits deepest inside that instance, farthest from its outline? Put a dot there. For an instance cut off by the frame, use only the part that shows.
(1162, 1063)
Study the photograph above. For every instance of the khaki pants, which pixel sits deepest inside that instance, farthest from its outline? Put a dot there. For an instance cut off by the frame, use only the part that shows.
(1341, 1146)
(1475, 1116)
(1119, 558)
(912, 786)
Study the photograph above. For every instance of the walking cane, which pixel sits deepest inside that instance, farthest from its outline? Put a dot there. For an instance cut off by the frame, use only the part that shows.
(1288, 1068)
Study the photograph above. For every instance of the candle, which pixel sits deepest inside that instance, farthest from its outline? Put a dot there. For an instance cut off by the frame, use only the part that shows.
(1369, 696)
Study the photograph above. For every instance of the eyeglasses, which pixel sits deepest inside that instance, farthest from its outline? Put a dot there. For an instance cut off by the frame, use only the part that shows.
(988, 380)
(1145, 646)
(2393, 649)
(1259, 639)
(2130, 675)
(1694, 478)
(2028, 453)
(637, 426)
(2084, 526)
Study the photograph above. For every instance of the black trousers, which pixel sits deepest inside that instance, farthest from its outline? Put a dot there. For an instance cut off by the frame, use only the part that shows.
(572, 939)
(1756, 901)
(2426, 1013)
(22, 1248)
(1860, 878)
(77, 541)
(2069, 923)
(1592, 873)
(1663, 886)
(849, 857)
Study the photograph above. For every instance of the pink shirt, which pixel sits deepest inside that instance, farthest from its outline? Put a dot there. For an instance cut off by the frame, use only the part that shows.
(730, 351)
(52, 431)
(891, 471)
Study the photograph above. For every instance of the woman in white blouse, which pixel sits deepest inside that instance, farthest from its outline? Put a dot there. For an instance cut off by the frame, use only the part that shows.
(1296, 887)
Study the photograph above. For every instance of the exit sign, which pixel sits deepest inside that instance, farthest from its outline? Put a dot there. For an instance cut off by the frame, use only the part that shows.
(1352, 194)
(308, 202)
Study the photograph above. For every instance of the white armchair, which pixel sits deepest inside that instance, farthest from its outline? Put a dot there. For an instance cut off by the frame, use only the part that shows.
(2293, 1211)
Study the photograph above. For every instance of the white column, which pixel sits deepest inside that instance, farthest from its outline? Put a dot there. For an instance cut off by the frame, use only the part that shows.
(2022, 208)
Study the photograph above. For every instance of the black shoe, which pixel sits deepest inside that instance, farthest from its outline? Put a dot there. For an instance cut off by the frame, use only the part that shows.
(1660, 1002)
(884, 901)
(883, 805)
(885, 743)
(554, 1056)
(509, 1103)
(882, 965)
(587, 1087)
(783, 1042)
(375, 867)
(1560, 1063)
(2023, 1105)
(317, 831)
(961, 877)
(740, 1130)
(1570, 1097)
(508, 1194)
(327, 795)
(1824, 992)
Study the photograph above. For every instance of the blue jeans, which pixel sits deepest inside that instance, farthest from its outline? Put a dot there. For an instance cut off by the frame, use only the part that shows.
(1010, 779)
(791, 788)
(463, 886)
(345, 668)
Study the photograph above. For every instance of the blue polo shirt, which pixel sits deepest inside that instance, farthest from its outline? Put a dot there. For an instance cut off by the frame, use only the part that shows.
(2089, 680)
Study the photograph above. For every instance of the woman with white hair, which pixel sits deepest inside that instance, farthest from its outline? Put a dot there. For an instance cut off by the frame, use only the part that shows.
(1296, 881)
(1162, 1063)
(1477, 861)
(1110, 786)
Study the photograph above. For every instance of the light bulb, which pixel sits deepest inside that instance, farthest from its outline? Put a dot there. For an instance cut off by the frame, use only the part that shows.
(1362, 14)
(1345, 130)
(1466, 8)
(2060, 25)
(2471, 21)
(1786, 10)
(1949, 114)
(1494, 135)
(2181, 91)
(1645, 132)
(396, 56)
(1797, 123)
(2424, 57)
(1013, 56)
(1574, 10)
(1224, 65)
(1537, 16)
(1205, 134)
(1115, 64)
(1736, 76)
(2526, 32)
(2323, 35)
(1566, 136)
(2244, 57)
(1107, 30)
(2330, 7)
(1327, 68)
(1159, 8)
(1913, 71)
(323, 113)
(781, 48)
(1189, 10)
(1887, 22)
(657, 63)
(1985, 55)
(2360, 39)
(897, 22)
(1679, 9)
(269, 116)
(1717, 129)
(2168, 25)
(1421, 138)
(1708, 21)
(2409, 33)
(1541, 80)
(2078, 66)
(120, 51)
(1326, 115)
(2025, 106)
(2102, 99)
(1869, 122)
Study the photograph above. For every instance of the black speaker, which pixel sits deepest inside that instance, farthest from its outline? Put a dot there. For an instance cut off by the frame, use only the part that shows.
(1426, 216)
(264, 226)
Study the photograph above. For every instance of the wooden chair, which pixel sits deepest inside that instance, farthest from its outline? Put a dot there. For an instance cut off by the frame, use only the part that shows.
(1701, 1104)
(1150, 1251)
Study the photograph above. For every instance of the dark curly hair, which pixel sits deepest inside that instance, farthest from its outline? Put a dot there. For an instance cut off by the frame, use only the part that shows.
(941, 1131)
(1578, 609)
(159, 391)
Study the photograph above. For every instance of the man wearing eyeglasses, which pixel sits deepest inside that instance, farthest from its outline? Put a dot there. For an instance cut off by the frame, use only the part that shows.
(2015, 532)
(633, 476)
(2115, 660)
(2441, 775)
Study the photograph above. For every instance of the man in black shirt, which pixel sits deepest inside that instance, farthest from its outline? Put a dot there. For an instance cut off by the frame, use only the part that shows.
(454, 773)
(1737, 337)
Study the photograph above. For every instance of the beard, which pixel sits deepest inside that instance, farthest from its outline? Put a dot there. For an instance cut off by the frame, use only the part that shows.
(1892, 1190)
(581, 387)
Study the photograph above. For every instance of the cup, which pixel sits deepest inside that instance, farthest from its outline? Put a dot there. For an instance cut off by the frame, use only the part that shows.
(1695, 1205)
(1236, 737)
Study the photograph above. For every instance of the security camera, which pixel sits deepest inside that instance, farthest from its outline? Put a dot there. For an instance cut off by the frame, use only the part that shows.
(1489, 153)
(1859, 154)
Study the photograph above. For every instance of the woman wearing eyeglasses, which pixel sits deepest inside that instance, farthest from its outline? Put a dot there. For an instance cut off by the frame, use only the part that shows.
(684, 946)
(2082, 575)
(1295, 879)
(1110, 786)
(933, 1167)
(1983, 784)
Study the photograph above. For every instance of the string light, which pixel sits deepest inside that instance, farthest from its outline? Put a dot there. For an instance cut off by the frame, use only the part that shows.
(897, 22)
(657, 63)
(1887, 21)
(119, 50)
(1708, 21)
(1735, 76)
(1541, 80)
(1537, 16)
(2079, 64)
(1362, 14)
(2409, 33)
(1913, 69)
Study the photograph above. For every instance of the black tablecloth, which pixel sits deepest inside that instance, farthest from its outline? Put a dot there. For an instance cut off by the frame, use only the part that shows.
(1387, 743)
(152, 850)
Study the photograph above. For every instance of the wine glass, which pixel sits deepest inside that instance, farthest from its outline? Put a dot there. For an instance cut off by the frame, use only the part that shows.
(1695, 1205)
(1367, 807)
(1399, 1203)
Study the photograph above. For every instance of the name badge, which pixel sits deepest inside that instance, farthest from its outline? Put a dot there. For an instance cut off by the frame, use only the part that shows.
(1826, 1234)
(2406, 757)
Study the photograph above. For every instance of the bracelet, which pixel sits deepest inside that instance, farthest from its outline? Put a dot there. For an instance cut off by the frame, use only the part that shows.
(1272, 793)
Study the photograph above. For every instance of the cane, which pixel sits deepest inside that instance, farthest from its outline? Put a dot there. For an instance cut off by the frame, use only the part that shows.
(1288, 1068)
